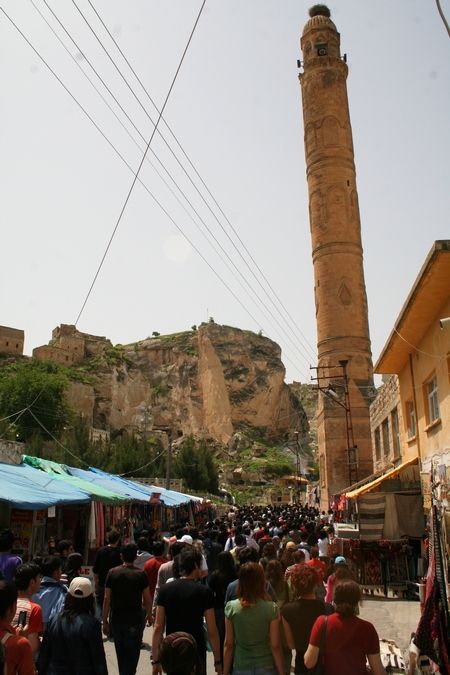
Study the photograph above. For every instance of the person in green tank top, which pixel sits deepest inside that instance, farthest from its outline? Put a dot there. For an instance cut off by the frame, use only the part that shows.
(252, 634)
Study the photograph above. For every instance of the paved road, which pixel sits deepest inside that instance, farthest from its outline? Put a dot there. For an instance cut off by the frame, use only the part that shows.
(394, 620)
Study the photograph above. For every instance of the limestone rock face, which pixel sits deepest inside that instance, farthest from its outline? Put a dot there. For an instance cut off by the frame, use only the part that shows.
(210, 382)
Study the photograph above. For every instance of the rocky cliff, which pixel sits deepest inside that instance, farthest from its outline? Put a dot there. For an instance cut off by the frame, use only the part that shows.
(211, 381)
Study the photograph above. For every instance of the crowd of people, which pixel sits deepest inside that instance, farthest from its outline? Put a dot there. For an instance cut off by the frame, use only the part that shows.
(253, 587)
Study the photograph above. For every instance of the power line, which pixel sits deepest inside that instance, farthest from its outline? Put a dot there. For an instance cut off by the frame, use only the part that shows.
(130, 168)
(140, 164)
(195, 170)
(303, 354)
(144, 466)
(118, 153)
(164, 210)
(82, 461)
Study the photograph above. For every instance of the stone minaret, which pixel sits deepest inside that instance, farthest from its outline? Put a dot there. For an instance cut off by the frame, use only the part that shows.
(340, 293)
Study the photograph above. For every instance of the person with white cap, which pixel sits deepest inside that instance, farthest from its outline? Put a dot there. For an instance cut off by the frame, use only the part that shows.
(72, 643)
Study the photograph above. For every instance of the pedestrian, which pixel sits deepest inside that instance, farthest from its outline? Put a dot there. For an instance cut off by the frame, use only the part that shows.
(143, 553)
(52, 592)
(341, 572)
(64, 548)
(183, 605)
(74, 565)
(178, 654)
(218, 582)
(321, 569)
(252, 635)
(28, 582)
(8, 561)
(152, 566)
(107, 557)
(349, 640)
(72, 643)
(299, 615)
(126, 593)
(18, 655)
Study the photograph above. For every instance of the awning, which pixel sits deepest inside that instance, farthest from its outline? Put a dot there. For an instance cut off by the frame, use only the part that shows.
(24, 487)
(352, 494)
(169, 497)
(114, 484)
(60, 472)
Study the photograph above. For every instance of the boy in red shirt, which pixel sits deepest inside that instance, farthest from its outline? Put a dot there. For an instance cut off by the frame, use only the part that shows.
(28, 581)
(19, 658)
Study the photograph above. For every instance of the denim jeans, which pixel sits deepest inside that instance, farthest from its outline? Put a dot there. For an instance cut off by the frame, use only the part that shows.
(127, 641)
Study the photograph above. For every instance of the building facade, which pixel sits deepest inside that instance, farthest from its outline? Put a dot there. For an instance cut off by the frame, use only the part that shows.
(344, 442)
(418, 352)
(11, 340)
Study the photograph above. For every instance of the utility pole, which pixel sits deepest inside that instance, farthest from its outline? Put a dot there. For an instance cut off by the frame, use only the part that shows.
(169, 461)
(330, 392)
(297, 465)
(147, 421)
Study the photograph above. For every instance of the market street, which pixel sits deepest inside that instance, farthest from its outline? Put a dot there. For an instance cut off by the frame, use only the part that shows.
(394, 620)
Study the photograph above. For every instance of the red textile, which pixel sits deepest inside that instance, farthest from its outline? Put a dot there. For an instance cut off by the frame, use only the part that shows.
(347, 643)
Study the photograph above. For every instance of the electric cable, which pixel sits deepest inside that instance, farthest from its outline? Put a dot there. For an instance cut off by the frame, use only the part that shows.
(183, 168)
(85, 57)
(130, 66)
(73, 97)
(152, 461)
(140, 164)
(82, 461)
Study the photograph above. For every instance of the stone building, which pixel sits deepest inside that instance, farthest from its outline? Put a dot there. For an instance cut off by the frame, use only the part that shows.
(386, 424)
(344, 352)
(68, 346)
(11, 340)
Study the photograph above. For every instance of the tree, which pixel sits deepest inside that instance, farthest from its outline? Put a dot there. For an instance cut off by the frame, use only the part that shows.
(38, 389)
(195, 464)
(155, 333)
(194, 328)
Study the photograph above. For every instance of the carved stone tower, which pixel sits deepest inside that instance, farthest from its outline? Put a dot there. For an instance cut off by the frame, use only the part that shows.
(340, 293)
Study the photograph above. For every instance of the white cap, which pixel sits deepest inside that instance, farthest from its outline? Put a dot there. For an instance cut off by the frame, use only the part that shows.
(80, 587)
(187, 539)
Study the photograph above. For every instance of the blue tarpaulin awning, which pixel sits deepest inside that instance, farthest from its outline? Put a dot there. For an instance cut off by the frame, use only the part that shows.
(24, 487)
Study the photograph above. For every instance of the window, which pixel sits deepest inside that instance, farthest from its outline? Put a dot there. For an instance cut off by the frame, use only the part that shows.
(377, 444)
(431, 391)
(411, 418)
(7, 343)
(322, 48)
(385, 434)
(395, 432)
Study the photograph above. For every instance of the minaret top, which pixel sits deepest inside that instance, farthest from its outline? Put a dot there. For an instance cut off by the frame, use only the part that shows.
(320, 18)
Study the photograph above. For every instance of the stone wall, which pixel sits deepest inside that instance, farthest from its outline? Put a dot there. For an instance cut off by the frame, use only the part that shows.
(11, 340)
(386, 425)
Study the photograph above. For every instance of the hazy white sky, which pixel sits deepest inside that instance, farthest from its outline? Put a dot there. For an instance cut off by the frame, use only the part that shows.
(236, 109)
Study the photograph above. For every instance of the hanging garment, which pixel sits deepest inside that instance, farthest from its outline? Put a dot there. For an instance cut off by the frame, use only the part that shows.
(371, 509)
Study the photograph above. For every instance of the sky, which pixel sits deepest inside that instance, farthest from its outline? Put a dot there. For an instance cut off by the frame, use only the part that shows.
(235, 110)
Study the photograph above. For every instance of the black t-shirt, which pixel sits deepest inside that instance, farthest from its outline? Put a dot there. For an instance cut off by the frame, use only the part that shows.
(185, 602)
(107, 557)
(127, 585)
(301, 616)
